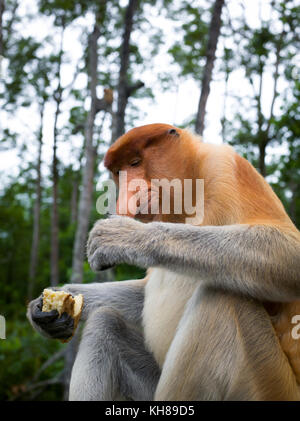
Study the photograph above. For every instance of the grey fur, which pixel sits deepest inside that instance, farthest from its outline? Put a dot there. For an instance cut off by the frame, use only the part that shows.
(258, 261)
(126, 297)
(112, 362)
(223, 347)
(233, 352)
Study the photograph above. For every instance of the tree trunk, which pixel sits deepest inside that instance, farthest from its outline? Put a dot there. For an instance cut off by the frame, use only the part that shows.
(118, 121)
(293, 203)
(262, 158)
(264, 135)
(54, 258)
(54, 221)
(223, 119)
(54, 211)
(85, 199)
(214, 31)
(2, 8)
(85, 202)
(74, 197)
(36, 213)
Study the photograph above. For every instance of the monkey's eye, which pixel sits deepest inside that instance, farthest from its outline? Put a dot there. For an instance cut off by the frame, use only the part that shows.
(173, 132)
(135, 162)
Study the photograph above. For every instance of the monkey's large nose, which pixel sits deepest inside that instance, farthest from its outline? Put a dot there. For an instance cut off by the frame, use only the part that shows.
(125, 206)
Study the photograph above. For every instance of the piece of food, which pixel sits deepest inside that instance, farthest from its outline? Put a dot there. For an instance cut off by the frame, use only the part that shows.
(63, 302)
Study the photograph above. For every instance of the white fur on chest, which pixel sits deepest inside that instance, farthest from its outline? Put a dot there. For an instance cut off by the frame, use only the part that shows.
(166, 295)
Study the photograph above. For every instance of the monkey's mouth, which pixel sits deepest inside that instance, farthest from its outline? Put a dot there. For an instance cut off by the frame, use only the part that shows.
(147, 205)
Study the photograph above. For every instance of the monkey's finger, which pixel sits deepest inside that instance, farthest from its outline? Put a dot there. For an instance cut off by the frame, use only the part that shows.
(96, 266)
(38, 303)
(36, 309)
(96, 244)
(64, 335)
(65, 320)
(96, 261)
(42, 317)
(92, 243)
(62, 328)
(62, 323)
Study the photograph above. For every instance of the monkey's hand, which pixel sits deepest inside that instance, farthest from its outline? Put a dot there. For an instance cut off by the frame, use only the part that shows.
(49, 324)
(114, 240)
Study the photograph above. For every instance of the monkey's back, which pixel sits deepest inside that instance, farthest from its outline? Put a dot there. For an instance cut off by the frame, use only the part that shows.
(166, 296)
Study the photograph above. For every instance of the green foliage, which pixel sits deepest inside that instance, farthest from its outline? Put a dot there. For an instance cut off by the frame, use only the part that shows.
(124, 271)
(31, 82)
(269, 49)
(77, 117)
(22, 52)
(15, 238)
(65, 10)
(190, 52)
(22, 354)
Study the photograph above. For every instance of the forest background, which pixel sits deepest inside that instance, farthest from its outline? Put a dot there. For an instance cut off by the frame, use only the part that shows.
(75, 75)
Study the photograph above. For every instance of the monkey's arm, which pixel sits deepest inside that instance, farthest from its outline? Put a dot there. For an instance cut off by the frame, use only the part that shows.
(260, 261)
(127, 297)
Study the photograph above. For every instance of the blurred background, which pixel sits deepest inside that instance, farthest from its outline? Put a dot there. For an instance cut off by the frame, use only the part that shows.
(74, 75)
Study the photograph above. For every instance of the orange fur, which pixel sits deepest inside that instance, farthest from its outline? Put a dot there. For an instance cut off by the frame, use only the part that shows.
(108, 96)
(283, 326)
(235, 193)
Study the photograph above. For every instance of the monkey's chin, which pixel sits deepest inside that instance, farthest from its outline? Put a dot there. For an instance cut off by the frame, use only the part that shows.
(146, 218)
(146, 215)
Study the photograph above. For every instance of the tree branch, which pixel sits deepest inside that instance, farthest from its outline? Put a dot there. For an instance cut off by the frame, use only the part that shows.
(39, 385)
(48, 363)
(119, 116)
(105, 103)
(276, 76)
(10, 23)
(130, 89)
(213, 36)
(2, 8)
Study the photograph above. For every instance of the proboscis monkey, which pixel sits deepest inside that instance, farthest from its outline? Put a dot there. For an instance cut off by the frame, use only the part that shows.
(200, 326)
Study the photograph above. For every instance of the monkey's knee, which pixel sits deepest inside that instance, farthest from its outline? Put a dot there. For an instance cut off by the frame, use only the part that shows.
(95, 370)
(101, 336)
(104, 322)
(112, 361)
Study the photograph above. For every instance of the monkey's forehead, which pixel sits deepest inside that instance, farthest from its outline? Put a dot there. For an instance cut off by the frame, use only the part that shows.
(132, 142)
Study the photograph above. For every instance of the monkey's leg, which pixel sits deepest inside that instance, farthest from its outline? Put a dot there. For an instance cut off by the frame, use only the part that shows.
(112, 361)
(127, 297)
(225, 348)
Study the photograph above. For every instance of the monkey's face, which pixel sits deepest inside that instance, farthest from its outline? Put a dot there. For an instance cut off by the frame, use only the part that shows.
(139, 161)
(135, 196)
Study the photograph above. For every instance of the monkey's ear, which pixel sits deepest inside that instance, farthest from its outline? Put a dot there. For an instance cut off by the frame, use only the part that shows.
(173, 132)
